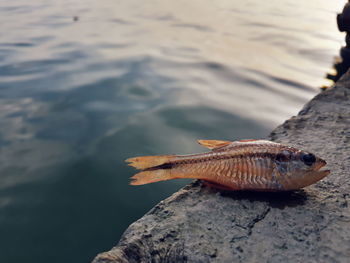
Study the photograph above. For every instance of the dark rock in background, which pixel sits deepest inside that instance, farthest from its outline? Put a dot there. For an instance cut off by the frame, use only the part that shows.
(200, 224)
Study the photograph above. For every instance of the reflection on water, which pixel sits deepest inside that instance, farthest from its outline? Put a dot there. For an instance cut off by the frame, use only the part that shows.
(85, 85)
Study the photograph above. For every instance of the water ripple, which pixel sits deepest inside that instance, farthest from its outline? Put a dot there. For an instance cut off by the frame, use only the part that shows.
(86, 84)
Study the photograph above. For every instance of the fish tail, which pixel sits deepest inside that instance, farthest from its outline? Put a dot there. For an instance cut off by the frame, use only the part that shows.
(147, 177)
(155, 169)
(145, 162)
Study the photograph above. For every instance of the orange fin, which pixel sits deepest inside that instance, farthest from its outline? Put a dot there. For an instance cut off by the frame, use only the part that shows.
(144, 162)
(161, 174)
(248, 140)
(147, 177)
(213, 144)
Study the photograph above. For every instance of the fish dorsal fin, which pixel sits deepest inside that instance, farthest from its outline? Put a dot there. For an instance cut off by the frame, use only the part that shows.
(254, 141)
(213, 144)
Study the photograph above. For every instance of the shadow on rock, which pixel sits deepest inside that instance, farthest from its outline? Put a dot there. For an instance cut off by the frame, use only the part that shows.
(274, 199)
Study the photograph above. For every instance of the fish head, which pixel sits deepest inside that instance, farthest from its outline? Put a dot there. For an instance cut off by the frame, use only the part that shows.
(298, 169)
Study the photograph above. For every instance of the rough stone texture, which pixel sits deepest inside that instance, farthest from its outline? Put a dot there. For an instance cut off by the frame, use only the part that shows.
(200, 224)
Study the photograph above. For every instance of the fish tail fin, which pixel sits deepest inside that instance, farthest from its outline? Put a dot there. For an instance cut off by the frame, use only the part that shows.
(147, 177)
(155, 168)
(145, 162)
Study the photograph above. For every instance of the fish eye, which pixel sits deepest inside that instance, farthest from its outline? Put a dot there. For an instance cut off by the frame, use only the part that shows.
(308, 158)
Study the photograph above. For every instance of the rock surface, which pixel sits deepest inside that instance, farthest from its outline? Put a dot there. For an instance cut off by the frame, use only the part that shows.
(200, 224)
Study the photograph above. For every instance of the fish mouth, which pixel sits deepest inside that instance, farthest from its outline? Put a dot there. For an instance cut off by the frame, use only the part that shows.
(317, 170)
(321, 163)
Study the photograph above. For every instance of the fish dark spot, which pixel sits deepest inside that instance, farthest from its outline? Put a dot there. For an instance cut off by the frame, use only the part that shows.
(165, 166)
(308, 158)
(162, 166)
(281, 157)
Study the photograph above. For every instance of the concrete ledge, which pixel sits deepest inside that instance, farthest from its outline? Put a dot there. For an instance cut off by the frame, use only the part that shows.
(199, 224)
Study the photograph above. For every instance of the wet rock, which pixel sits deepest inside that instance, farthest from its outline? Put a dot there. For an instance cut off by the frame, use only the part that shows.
(200, 224)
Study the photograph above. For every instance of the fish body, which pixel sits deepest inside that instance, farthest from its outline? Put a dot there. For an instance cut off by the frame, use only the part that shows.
(241, 165)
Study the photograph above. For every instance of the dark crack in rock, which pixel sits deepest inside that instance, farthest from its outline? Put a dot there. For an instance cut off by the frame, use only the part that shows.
(200, 224)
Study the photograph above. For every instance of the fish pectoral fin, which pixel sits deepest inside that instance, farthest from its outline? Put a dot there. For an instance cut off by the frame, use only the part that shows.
(213, 144)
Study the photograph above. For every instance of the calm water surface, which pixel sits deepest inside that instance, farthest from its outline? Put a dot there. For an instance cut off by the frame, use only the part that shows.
(135, 78)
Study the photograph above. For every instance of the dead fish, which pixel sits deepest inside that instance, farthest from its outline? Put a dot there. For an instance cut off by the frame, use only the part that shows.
(241, 165)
